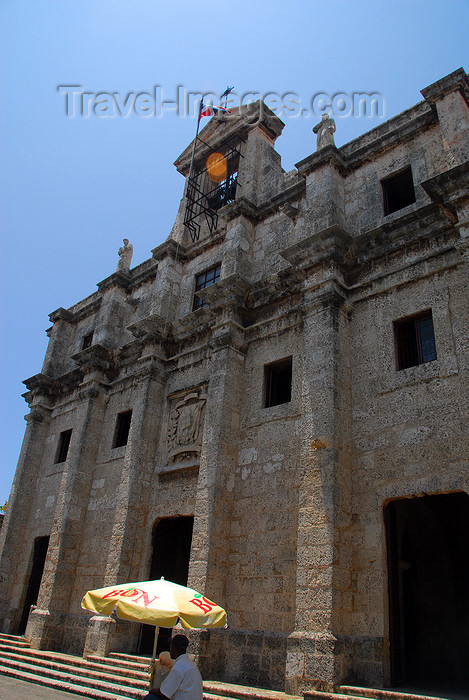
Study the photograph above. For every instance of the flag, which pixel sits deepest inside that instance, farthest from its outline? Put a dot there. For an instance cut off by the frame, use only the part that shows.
(208, 111)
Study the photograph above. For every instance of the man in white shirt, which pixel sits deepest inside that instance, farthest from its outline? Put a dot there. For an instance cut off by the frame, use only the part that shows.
(184, 681)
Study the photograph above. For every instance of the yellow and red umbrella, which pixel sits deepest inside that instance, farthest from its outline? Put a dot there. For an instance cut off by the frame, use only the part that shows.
(160, 603)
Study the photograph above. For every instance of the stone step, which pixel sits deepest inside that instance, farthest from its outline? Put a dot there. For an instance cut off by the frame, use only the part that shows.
(68, 676)
(129, 658)
(87, 674)
(355, 692)
(384, 694)
(242, 692)
(11, 640)
(66, 685)
(54, 660)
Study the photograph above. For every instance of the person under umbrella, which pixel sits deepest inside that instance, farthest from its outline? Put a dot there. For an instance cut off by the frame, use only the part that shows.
(184, 681)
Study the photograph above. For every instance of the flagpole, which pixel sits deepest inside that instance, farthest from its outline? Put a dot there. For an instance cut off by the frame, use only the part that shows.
(194, 144)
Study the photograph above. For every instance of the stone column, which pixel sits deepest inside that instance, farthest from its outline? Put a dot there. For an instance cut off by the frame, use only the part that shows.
(13, 568)
(323, 566)
(49, 622)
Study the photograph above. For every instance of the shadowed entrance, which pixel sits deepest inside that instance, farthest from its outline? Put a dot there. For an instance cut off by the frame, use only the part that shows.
(428, 565)
(171, 545)
(39, 557)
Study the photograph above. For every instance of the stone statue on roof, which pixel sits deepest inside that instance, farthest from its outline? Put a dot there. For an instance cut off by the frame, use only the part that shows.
(125, 256)
(325, 131)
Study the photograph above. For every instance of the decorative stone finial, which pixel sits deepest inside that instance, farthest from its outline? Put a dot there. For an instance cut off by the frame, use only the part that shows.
(325, 131)
(125, 256)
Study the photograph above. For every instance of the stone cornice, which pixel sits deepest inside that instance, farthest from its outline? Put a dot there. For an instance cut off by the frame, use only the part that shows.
(333, 242)
(153, 327)
(449, 189)
(354, 154)
(143, 273)
(328, 295)
(40, 383)
(150, 368)
(241, 206)
(228, 334)
(117, 279)
(38, 414)
(170, 248)
(397, 131)
(228, 293)
(327, 155)
(61, 314)
(208, 242)
(455, 81)
(289, 194)
(421, 222)
(96, 357)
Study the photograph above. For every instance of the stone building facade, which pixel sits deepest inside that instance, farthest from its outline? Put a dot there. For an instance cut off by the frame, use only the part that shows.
(275, 411)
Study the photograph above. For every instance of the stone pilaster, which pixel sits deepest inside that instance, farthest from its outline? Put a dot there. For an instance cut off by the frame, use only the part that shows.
(325, 191)
(48, 624)
(218, 458)
(113, 314)
(323, 565)
(13, 568)
(131, 513)
(450, 97)
(59, 341)
(170, 256)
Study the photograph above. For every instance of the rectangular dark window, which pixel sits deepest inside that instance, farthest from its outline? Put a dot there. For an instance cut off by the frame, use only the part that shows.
(205, 280)
(121, 434)
(64, 444)
(277, 382)
(398, 191)
(87, 341)
(415, 340)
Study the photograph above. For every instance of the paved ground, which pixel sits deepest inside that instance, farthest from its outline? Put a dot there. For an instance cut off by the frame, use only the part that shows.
(13, 689)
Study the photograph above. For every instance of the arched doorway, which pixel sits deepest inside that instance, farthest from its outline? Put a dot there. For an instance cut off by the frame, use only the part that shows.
(428, 568)
(171, 549)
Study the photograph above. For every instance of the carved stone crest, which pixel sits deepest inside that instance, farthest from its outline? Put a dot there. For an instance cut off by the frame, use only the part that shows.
(185, 427)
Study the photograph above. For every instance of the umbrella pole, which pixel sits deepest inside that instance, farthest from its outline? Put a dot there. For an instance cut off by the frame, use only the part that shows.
(153, 656)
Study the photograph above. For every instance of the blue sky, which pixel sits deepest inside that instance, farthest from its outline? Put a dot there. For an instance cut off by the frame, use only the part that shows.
(71, 188)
